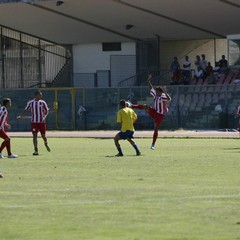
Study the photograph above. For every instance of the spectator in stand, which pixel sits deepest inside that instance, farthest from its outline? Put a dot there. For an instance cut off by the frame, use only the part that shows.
(210, 74)
(186, 70)
(223, 65)
(197, 62)
(176, 71)
(198, 74)
(203, 64)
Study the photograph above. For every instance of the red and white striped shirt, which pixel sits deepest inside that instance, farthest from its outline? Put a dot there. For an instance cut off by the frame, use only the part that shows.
(39, 110)
(159, 102)
(3, 117)
(238, 111)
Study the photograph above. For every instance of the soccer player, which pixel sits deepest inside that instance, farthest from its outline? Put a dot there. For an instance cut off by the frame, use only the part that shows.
(1, 174)
(238, 115)
(159, 109)
(126, 117)
(3, 123)
(39, 110)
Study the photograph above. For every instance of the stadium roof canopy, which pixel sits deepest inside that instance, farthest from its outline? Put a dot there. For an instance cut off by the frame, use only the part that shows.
(89, 21)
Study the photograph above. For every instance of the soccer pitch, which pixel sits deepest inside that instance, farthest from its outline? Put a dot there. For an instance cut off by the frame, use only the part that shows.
(186, 189)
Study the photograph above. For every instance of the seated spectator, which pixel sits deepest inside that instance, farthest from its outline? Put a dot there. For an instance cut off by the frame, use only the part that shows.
(203, 64)
(210, 74)
(198, 73)
(176, 71)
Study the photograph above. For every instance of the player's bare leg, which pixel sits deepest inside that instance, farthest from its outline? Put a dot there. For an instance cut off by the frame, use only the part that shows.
(45, 142)
(155, 136)
(1, 174)
(35, 144)
(116, 141)
(140, 106)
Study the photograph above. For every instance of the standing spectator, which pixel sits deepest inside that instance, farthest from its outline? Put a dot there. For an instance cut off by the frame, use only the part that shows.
(176, 70)
(126, 117)
(3, 123)
(198, 74)
(197, 62)
(159, 109)
(39, 110)
(223, 65)
(187, 70)
(238, 116)
(203, 64)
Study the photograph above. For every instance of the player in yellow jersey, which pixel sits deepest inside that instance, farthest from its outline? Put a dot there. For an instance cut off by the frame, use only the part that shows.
(126, 117)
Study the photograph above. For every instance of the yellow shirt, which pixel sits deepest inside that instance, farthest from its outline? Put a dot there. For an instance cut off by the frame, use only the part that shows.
(126, 116)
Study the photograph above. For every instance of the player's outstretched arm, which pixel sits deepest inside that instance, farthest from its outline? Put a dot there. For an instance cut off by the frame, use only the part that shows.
(20, 116)
(149, 81)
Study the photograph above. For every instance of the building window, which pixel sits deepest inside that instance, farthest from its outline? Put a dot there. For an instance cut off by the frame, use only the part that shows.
(113, 46)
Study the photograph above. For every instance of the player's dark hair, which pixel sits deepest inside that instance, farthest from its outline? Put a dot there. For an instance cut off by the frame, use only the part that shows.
(38, 92)
(159, 88)
(122, 103)
(6, 101)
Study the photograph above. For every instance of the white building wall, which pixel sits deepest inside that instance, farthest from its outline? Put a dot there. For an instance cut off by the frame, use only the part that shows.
(88, 58)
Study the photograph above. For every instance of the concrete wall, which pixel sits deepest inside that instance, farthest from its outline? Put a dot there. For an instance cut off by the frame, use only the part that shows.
(213, 50)
(88, 58)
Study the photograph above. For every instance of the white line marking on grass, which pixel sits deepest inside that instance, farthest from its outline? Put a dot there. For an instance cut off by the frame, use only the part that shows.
(43, 205)
(204, 197)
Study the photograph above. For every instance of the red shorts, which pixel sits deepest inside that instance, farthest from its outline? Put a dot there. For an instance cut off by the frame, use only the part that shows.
(157, 117)
(39, 127)
(3, 134)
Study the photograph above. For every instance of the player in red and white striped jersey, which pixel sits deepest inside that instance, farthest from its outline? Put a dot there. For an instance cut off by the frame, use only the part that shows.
(159, 108)
(238, 115)
(4, 123)
(39, 110)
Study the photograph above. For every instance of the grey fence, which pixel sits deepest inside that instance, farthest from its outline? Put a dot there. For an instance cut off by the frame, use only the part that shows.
(192, 107)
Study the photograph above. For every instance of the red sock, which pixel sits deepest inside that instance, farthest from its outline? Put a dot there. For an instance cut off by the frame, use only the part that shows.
(155, 136)
(8, 146)
(138, 106)
(3, 146)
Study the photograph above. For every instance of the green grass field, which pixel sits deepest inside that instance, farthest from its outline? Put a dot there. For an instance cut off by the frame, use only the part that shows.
(186, 189)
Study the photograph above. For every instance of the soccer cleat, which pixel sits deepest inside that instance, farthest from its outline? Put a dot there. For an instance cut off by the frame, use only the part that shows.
(48, 148)
(138, 153)
(152, 147)
(13, 156)
(119, 155)
(1, 156)
(1, 174)
(35, 153)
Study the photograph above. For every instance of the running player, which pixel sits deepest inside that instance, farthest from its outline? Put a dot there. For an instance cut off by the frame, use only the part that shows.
(126, 117)
(39, 110)
(4, 123)
(238, 115)
(159, 109)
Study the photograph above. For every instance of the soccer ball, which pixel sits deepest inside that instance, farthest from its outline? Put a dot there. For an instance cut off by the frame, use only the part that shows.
(128, 104)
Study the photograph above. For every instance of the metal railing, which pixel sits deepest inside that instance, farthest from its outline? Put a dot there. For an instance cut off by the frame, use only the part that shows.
(27, 61)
